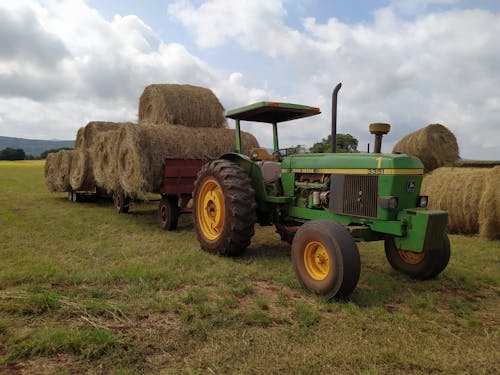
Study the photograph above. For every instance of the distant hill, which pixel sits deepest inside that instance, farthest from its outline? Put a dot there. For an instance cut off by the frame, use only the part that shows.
(33, 146)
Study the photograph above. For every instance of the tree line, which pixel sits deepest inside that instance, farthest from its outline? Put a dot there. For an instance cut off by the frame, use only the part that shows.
(19, 154)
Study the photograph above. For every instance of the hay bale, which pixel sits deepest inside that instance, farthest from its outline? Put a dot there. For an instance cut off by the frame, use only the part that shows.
(95, 148)
(489, 219)
(434, 145)
(50, 171)
(103, 152)
(143, 149)
(57, 170)
(187, 105)
(470, 198)
(81, 177)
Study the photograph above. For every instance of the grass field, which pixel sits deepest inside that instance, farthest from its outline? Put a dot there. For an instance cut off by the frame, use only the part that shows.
(85, 290)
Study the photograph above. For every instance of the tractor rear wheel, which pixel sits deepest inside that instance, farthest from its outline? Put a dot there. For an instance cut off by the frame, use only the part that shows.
(326, 259)
(421, 266)
(224, 208)
(168, 212)
(121, 202)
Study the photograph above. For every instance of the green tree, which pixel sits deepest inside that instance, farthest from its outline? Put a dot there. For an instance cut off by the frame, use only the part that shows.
(12, 154)
(345, 143)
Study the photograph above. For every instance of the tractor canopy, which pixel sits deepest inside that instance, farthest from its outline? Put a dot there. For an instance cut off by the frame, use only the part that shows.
(272, 112)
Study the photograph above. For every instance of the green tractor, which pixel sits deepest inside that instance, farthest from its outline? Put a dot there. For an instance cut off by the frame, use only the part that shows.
(320, 203)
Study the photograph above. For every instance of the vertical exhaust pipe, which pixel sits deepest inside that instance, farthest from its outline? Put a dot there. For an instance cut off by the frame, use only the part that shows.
(335, 93)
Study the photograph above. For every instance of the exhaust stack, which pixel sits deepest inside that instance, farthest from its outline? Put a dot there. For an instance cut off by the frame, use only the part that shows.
(334, 117)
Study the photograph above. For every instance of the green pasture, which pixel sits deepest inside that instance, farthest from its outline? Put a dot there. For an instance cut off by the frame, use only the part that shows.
(85, 290)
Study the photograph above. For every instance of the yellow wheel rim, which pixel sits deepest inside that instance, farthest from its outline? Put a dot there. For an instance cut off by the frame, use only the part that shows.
(210, 209)
(316, 260)
(410, 257)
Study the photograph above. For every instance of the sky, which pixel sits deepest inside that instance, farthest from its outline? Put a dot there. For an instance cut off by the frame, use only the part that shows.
(409, 63)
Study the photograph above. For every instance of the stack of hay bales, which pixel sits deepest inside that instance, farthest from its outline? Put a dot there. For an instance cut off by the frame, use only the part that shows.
(471, 197)
(434, 145)
(94, 156)
(175, 122)
(144, 148)
(57, 171)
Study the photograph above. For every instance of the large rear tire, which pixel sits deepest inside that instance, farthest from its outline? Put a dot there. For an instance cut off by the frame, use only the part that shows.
(421, 266)
(168, 213)
(224, 208)
(326, 259)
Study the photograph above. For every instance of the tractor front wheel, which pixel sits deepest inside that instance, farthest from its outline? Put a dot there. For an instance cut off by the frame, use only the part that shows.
(421, 266)
(223, 208)
(168, 213)
(326, 259)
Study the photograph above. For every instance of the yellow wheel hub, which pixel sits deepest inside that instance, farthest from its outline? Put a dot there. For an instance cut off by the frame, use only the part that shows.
(316, 260)
(411, 257)
(210, 209)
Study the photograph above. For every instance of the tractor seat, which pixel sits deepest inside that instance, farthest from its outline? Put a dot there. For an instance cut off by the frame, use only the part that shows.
(271, 170)
(259, 153)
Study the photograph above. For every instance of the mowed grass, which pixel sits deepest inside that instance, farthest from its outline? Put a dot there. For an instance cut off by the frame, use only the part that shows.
(85, 290)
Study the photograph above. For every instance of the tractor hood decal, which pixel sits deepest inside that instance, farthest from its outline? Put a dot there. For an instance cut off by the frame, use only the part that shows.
(361, 171)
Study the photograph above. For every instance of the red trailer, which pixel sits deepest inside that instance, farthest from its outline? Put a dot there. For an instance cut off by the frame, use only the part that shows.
(179, 176)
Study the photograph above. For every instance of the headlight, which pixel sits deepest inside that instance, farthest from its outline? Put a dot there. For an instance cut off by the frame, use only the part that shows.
(389, 203)
(422, 201)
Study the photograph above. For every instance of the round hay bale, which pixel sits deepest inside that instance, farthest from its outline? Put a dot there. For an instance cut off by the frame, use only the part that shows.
(143, 149)
(81, 176)
(57, 170)
(434, 145)
(104, 156)
(187, 105)
(469, 196)
(79, 138)
(489, 220)
(50, 171)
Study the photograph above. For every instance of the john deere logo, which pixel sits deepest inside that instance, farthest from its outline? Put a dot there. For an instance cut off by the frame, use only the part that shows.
(410, 186)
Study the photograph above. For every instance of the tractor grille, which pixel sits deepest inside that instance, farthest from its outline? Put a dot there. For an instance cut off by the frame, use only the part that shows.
(360, 195)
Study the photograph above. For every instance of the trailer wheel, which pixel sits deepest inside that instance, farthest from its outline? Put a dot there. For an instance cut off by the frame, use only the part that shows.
(224, 208)
(421, 266)
(121, 202)
(326, 259)
(168, 213)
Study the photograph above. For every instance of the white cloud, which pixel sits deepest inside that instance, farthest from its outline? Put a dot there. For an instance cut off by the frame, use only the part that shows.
(70, 65)
(439, 67)
(66, 65)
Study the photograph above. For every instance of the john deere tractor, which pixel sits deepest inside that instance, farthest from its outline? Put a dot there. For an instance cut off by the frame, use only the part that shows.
(320, 203)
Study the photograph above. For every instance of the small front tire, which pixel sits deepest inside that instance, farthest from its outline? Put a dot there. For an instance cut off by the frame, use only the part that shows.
(420, 266)
(326, 259)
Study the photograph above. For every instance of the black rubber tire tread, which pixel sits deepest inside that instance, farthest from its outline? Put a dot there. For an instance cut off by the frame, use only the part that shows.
(433, 263)
(171, 206)
(240, 207)
(345, 263)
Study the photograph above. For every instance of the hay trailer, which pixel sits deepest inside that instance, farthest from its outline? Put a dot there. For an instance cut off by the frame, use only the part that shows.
(322, 203)
(176, 191)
